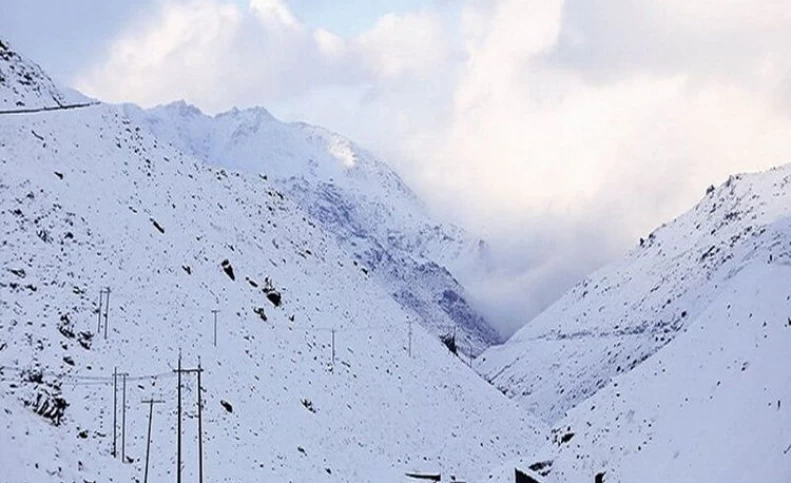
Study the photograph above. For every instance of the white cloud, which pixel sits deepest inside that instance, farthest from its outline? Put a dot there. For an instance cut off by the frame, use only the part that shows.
(274, 12)
(218, 54)
(568, 128)
(396, 45)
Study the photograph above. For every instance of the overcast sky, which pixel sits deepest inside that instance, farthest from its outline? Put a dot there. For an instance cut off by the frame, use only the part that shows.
(560, 131)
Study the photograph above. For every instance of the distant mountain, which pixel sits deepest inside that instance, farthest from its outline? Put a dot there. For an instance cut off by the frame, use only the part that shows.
(347, 192)
(672, 364)
(311, 379)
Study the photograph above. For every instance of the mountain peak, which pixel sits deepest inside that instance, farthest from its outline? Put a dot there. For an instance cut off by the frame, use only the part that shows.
(255, 112)
(182, 107)
(24, 85)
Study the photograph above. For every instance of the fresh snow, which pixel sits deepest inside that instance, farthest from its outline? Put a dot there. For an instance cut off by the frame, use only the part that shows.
(89, 199)
(350, 193)
(672, 364)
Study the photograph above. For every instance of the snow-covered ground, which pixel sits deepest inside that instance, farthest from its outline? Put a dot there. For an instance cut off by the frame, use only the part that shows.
(683, 346)
(350, 193)
(90, 199)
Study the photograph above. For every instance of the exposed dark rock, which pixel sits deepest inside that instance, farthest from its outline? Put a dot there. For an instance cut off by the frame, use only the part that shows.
(450, 342)
(85, 339)
(226, 266)
(260, 312)
(227, 406)
(157, 225)
(522, 477)
(274, 297)
(20, 272)
(543, 468)
(308, 405)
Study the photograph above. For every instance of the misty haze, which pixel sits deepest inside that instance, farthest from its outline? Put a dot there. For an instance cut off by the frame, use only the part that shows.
(395, 241)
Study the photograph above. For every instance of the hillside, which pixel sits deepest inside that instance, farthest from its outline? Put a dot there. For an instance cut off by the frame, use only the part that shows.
(91, 199)
(672, 363)
(347, 192)
(622, 314)
(711, 406)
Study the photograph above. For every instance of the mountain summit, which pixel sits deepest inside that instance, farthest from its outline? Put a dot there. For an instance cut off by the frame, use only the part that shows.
(348, 192)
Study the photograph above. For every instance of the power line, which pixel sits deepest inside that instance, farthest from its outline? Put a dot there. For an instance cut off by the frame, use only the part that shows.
(62, 107)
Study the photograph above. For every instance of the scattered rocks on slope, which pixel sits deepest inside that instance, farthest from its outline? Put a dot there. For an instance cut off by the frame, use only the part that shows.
(157, 225)
(261, 313)
(273, 295)
(228, 268)
(228, 407)
(308, 405)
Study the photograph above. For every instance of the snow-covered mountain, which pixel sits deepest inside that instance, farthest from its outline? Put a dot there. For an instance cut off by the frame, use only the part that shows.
(318, 374)
(672, 364)
(350, 193)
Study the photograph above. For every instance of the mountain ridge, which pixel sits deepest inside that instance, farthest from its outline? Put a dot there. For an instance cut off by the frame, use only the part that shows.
(350, 193)
(305, 383)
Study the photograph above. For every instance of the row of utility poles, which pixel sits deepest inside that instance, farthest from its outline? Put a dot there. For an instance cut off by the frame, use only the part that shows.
(151, 402)
(104, 305)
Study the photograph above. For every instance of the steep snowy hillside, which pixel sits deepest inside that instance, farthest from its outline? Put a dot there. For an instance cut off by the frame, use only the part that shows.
(712, 406)
(349, 193)
(623, 314)
(311, 378)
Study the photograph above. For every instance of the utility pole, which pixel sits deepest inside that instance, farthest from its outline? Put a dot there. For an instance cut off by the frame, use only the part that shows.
(115, 412)
(200, 427)
(178, 454)
(99, 324)
(410, 337)
(106, 311)
(123, 421)
(333, 348)
(150, 403)
(181, 370)
(215, 326)
(115, 406)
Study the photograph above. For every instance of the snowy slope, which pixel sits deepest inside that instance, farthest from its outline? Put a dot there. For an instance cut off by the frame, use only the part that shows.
(712, 406)
(348, 192)
(90, 199)
(621, 315)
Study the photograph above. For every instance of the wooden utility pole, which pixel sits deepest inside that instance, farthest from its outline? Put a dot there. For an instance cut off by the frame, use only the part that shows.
(215, 326)
(106, 311)
(178, 453)
(181, 370)
(99, 323)
(200, 427)
(150, 403)
(123, 420)
(115, 411)
(410, 338)
(115, 406)
(333, 348)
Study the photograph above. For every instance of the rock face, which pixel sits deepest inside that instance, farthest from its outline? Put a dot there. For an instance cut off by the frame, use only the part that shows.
(24, 85)
(349, 193)
(669, 365)
(334, 338)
